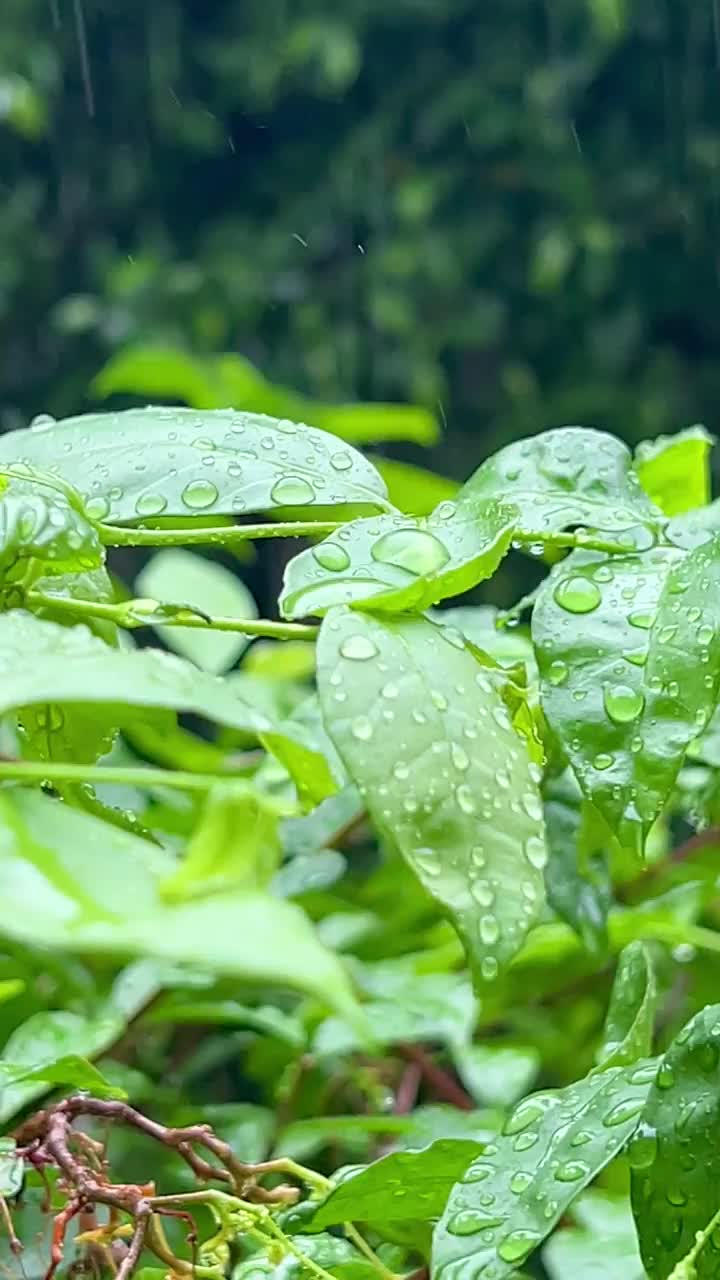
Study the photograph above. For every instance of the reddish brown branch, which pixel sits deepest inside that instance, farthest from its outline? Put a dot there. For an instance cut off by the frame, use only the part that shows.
(444, 1086)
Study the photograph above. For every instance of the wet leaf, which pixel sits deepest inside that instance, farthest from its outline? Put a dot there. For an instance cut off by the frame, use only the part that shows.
(423, 730)
(674, 470)
(603, 1245)
(577, 876)
(568, 476)
(147, 463)
(42, 534)
(496, 1075)
(176, 576)
(393, 563)
(675, 1156)
(302, 746)
(405, 1007)
(236, 845)
(628, 1030)
(552, 1145)
(50, 1048)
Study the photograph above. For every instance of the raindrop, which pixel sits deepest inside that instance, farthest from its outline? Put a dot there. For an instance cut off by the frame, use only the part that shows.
(558, 672)
(412, 549)
(577, 595)
(622, 703)
(330, 556)
(572, 1171)
(623, 1111)
(151, 504)
(427, 861)
(467, 1221)
(516, 1247)
(292, 491)
(341, 461)
(523, 1116)
(199, 494)
(489, 968)
(532, 806)
(465, 799)
(705, 633)
(665, 1078)
(482, 893)
(362, 729)
(640, 618)
(535, 852)
(401, 772)
(581, 1139)
(438, 700)
(42, 421)
(643, 1148)
(358, 648)
(97, 508)
(603, 761)
(520, 1182)
(489, 930)
(389, 690)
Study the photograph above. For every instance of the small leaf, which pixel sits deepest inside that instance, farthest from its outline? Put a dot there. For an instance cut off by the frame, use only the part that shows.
(220, 462)
(12, 1168)
(577, 877)
(496, 1075)
(68, 666)
(393, 563)
(675, 1156)
(177, 576)
(423, 730)
(628, 1030)
(45, 1040)
(403, 1185)
(42, 533)
(302, 746)
(553, 1144)
(236, 845)
(674, 470)
(70, 1069)
(567, 476)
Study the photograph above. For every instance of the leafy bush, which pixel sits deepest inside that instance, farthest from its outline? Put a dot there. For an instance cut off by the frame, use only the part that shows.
(357, 927)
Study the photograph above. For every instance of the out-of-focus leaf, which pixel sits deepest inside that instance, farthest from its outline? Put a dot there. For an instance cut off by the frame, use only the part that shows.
(46, 1049)
(412, 489)
(577, 876)
(675, 1156)
(177, 576)
(405, 1006)
(236, 845)
(628, 1030)
(391, 563)
(423, 731)
(552, 1145)
(675, 470)
(603, 1246)
(302, 746)
(70, 1070)
(496, 1075)
(11, 1168)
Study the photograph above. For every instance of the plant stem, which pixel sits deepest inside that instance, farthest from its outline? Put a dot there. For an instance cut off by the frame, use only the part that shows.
(118, 775)
(360, 1243)
(131, 614)
(685, 1269)
(585, 541)
(124, 536)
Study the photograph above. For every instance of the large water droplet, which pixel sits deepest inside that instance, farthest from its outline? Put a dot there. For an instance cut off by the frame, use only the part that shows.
(603, 761)
(623, 1111)
(412, 549)
(482, 892)
(520, 1182)
(643, 1148)
(199, 494)
(577, 595)
(292, 491)
(330, 556)
(517, 1246)
(489, 930)
(152, 504)
(358, 648)
(523, 1116)
(341, 461)
(97, 508)
(489, 968)
(558, 672)
(535, 852)
(362, 729)
(465, 799)
(622, 703)
(467, 1221)
(460, 758)
(572, 1171)
(642, 619)
(427, 861)
(665, 1078)
(42, 421)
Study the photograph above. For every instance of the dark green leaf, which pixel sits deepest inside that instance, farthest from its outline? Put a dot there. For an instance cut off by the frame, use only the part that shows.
(423, 730)
(628, 1030)
(675, 1157)
(551, 1147)
(195, 463)
(393, 563)
(577, 877)
(675, 470)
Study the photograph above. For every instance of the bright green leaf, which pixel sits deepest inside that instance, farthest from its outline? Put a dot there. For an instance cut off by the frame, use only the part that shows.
(414, 490)
(577, 877)
(675, 470)
(236, 845)
(302, 746)
(628, 1030)
(70, 1069)
(50, 1047)
(496, 1075)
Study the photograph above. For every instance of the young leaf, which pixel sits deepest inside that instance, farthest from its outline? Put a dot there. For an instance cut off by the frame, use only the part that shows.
(302, 746)
(551, 1147)
(236, 845)
(568, 476)
(675, 1157)
(70, 666)
(423, 730)
(629, 656)
(674, 470)
(628, 1030)
(394, 563)
(496, 1075)
(48, 1040)
(181, 577)
(217, 462)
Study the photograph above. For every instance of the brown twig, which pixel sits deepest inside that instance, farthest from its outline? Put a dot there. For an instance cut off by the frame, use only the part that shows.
(445, 1087)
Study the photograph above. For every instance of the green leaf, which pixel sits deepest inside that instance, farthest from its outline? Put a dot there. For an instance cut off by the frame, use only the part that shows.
(302, 746)
(577, 877)
(393, 563)
(195, 463)
(552, 1145)
(414, 490)
(423, 730)
(674, 470)
(603, 1246)
(675, 1157)
(496, 1075)
(336, 1256)
(175, 576)
(236, 845)
(70, 1069)
(628, 1030)
(68, 666)
(568, 476)
(42, 533)
(53, 896)
(50, 1048)
(405, 1007)
(12, 1168)
(403, 1185)
(629, 656)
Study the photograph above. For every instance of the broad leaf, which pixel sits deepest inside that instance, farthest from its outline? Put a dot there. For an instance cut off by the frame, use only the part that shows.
(424, 732)
(603, 1245)
(70, 666)
(176, 576)
(405, 1007)
(675, 470)
(236, 845)
(628, 1030)
(629, 656)
(675, 1157)
(393, 563)
(551, 1147)
(405, 1184)
(45, 1049)
(577, 876)
(496, 1075)
(53, 896)
(145, 463)
(42, 533)
(564, 477)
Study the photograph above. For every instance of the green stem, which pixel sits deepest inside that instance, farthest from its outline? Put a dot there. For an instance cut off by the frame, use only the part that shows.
(143, 613)
(360, 1243)
(585, 541)
(118, 775)
(685, 1269)
(124, 536)
(271, 1228)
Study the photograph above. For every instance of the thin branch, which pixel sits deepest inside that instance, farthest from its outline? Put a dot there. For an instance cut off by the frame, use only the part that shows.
(131, 614)
(225, 535)
(132, 1257)
(441, 1082)
(118, 775)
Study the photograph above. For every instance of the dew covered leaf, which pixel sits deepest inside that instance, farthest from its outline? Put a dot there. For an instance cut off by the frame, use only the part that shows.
(674, 470)
(675, 1155)
(423, 730)
(146, 463)
(178, 576)
(577, 877)
(629, 657)
(568, 476)
(402, 1185)
(552, 1145)
(53, 897)
(68, 666)
(628, 1030)
(394, 563)
(42, 533)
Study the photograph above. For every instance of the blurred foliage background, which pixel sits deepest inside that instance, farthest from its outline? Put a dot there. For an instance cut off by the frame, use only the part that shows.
(507, 214)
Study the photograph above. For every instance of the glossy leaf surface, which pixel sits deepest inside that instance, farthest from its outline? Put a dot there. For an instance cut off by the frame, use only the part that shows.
(577, 878)
(628, 1030)
(424, 732)
(674, 471)
(146, 463)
